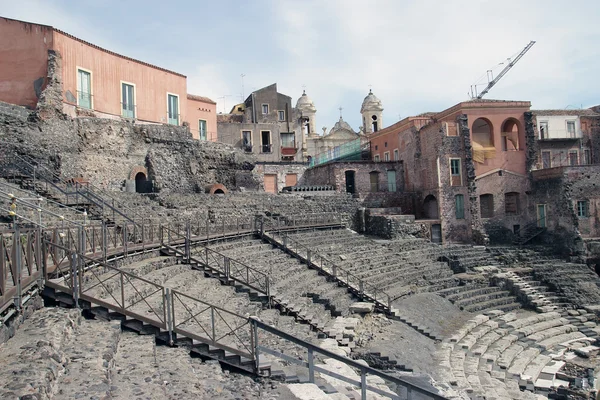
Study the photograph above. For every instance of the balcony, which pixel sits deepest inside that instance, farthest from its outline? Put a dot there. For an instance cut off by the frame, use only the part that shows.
(560, 135)
(288, 151)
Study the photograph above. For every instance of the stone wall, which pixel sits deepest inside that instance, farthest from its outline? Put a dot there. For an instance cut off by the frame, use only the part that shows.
(334, 174)
(560, 189)
(104, 152)
(280, 169)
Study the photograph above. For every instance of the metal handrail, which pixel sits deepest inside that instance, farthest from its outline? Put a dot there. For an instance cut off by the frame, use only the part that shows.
(54, 177)
(312, 349)
(37, 208)
(44, 199)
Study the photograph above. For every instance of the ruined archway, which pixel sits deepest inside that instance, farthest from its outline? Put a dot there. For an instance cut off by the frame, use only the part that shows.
(215, 188)
(141, 183)
(430, 208)
(511, 129)
(482, 134)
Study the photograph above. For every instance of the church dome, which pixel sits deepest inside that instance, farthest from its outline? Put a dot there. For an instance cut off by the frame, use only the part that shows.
(305, 104)
(371, 103)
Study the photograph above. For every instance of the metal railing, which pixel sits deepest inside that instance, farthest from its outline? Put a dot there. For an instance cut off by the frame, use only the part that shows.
(352, 149)
(307, 360)
(71, 191)
(357, 285)
(21, 264)
(183, 316)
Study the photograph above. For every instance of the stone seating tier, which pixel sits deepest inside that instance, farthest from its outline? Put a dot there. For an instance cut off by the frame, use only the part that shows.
(489, 357)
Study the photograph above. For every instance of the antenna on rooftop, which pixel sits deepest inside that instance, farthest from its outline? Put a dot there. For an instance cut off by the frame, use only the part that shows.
(242, 76)
(490, 75)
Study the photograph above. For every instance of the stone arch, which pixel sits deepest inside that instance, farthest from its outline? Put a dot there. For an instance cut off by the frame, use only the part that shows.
(136, 170)
(215, 188)
(511, 130)
(141, 183)
(482, 132)
(482, 140)
(430, 207)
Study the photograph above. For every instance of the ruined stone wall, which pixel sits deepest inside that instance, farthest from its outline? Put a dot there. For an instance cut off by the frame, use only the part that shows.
(560, 189)
(501, 226)
(105, 152)
(593, 136)
(395, 226)
(282, 170)
(335, 174)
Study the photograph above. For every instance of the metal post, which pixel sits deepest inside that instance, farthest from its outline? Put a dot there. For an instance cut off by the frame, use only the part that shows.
(74, 280)
(207, 230)
(363, 384)
(188, 234)
(104, 241)
(169, 314)
(255, 335)
(361, 287)
(223, 227)
(17, 261)
(408, 393)
(285, 242)
(308, 256)
(226, 266)
(334, 269)
(311, 366)
(212, 320)
(125, 236)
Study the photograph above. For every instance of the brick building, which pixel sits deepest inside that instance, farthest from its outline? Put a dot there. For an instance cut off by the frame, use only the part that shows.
(97, 82)
(565, 137)
(265, 125)
(465, 166)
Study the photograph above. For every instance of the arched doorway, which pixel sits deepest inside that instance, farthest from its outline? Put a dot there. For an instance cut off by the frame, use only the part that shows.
(350, 185)
(141, 183)
(215, 188)
(430, 208)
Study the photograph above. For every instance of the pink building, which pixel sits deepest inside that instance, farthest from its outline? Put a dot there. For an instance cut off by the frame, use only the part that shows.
(97, 82)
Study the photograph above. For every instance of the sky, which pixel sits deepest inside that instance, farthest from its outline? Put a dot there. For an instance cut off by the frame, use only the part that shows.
(416, 56)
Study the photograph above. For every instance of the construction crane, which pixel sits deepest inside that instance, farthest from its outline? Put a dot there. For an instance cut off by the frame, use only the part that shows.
(495, 80)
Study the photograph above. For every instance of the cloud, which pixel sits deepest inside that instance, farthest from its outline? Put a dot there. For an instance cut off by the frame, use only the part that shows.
(417, 55)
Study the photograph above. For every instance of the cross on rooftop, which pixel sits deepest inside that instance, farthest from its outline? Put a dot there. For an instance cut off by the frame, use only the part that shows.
(341, 108)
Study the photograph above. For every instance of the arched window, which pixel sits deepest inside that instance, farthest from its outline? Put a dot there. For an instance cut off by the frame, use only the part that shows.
(483, 140)
(430, 208)
(510, 134)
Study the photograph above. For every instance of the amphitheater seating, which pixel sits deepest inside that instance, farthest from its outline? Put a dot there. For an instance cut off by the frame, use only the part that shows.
(497, 354)
(399, 268)
(292, 284)
(480, 298)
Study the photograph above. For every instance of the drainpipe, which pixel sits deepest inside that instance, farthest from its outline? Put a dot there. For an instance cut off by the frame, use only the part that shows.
(253, 109)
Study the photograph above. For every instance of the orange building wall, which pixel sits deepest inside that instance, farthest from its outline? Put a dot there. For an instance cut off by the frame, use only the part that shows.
(511, 160)
(108, 70)
(197, 110)
(391, 135)
(23, 60)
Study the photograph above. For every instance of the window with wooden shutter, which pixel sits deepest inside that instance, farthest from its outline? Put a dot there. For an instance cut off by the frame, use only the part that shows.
(455, 172)
(511, 203)
(459, 202)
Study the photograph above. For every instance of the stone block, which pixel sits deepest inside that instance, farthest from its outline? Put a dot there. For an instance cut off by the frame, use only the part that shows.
(362, 307)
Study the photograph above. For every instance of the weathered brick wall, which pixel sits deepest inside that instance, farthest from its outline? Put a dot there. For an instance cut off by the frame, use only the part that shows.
(560, 189)
(395, 226)
(279, 169)
(502, 225)
(335, 174)
(104, 152)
